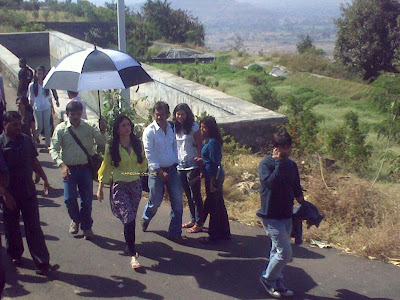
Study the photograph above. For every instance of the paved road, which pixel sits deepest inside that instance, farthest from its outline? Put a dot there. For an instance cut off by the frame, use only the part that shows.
(97, 269)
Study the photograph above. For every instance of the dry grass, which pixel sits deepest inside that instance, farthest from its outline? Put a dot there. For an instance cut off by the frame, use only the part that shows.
(359, 218)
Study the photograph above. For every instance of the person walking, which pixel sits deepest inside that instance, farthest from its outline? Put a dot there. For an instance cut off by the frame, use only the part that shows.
(280, 185)
(7, 199)
(74, 165)
(3, 103)
(161, 152)
(73, 96)
(40, 99)
(21, 158)
(123, 155)
(27, 118)
(25, 76)
(189, 143)
(211, 157)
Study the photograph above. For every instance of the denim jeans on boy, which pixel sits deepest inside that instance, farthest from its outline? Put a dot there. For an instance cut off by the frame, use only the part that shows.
(174, 187)
(79, 180)
(42, 119)
(278, 231)
(193, 194)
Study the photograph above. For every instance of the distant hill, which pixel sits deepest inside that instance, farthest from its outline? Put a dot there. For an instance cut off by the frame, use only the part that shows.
(264, 25)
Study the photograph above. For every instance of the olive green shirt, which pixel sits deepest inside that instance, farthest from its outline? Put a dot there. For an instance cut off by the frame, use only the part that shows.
(64, 149)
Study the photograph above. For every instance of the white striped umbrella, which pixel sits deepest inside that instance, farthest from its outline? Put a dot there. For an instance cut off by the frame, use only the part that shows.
(95, 69)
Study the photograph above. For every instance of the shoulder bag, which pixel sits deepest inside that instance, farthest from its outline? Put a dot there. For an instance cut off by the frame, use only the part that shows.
(94, 161)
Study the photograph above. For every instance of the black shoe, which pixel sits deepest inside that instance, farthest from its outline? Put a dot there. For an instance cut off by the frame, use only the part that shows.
(177, 239)
(271, 290)
(42, 269)
(144, 224)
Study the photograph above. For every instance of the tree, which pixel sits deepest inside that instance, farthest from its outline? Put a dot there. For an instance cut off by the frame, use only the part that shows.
(368, 36)
(306, 43)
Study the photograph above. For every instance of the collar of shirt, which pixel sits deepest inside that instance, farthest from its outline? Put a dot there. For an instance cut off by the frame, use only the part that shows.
(157, 127)
(70, 125)
(6, 139)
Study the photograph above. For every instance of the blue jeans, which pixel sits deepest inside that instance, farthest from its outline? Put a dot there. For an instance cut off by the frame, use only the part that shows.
(193, 194)
(80, 179)
(42, 119)
(279, 231)
(174, 187)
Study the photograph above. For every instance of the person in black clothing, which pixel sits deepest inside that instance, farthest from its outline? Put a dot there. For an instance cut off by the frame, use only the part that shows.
(20, 156)
(25, 76)
(280, 185)
(8, 200)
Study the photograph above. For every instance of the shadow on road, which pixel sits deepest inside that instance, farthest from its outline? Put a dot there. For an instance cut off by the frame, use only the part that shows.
(78, 284)
(238, 278)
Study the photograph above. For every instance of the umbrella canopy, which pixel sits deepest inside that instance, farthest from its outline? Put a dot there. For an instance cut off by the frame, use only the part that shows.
(95, 69)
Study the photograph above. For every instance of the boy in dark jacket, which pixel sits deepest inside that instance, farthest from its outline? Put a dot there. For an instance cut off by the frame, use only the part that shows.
(280, 185)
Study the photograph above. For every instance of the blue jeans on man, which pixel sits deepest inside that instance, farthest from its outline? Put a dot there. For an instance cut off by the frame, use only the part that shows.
(174, 188)
(79, 180)
(279, 231)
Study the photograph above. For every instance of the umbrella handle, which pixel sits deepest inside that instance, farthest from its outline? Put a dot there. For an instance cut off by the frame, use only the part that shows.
(98, 97)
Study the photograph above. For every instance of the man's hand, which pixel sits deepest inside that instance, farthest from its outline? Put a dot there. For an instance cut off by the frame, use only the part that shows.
(46, 188)
(165, 176)
(198, 159)
(100, 194)
(276, 154)
(102, 125)
(65, 171)
(9, 201)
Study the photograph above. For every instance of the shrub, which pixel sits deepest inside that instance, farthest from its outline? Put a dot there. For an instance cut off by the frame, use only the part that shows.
(302, 125)
(348, 144)
(256, 80)
(216, 83)
(33, 27)
(209, 82)
(256, 68)
(265, 96)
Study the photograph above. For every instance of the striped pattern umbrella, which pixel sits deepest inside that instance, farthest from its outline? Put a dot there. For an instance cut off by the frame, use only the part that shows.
(95, 69)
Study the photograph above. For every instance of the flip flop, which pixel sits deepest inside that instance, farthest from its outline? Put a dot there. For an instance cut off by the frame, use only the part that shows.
(188, 225)
(195, 229)
(134, 262)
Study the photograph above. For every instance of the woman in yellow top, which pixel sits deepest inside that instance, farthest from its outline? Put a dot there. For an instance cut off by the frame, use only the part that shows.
(124, 154)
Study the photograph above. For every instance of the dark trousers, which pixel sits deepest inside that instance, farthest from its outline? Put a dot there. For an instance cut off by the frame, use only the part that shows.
(129, 233)
(29, 208)
(2, 270)
(218, 227)
(193, 194)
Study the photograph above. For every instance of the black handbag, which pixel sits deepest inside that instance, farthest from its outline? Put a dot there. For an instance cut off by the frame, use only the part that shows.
(94, 161)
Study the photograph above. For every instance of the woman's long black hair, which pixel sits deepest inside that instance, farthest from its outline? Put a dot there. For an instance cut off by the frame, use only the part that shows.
(35, 81)
(188, 124)
(114, 143)
(213, 130)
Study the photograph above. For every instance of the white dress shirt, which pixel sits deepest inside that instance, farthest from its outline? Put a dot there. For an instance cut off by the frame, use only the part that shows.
(41, 102)
(160, 147)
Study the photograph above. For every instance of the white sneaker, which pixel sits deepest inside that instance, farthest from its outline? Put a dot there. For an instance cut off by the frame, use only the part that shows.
(73, 227)
(285, 292)
(88, 233)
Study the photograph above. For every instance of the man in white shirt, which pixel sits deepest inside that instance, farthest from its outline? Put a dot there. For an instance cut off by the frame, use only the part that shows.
(161, 152)
(74, 97)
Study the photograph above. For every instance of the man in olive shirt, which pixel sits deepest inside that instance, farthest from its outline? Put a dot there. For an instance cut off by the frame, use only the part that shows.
(76, 173)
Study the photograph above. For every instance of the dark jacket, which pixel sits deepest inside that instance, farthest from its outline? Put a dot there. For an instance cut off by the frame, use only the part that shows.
(280, 184)
(308, 212)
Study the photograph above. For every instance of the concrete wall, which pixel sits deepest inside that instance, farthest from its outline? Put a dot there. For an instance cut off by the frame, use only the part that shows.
(26, 44)
(248, 123)
(79, 29)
